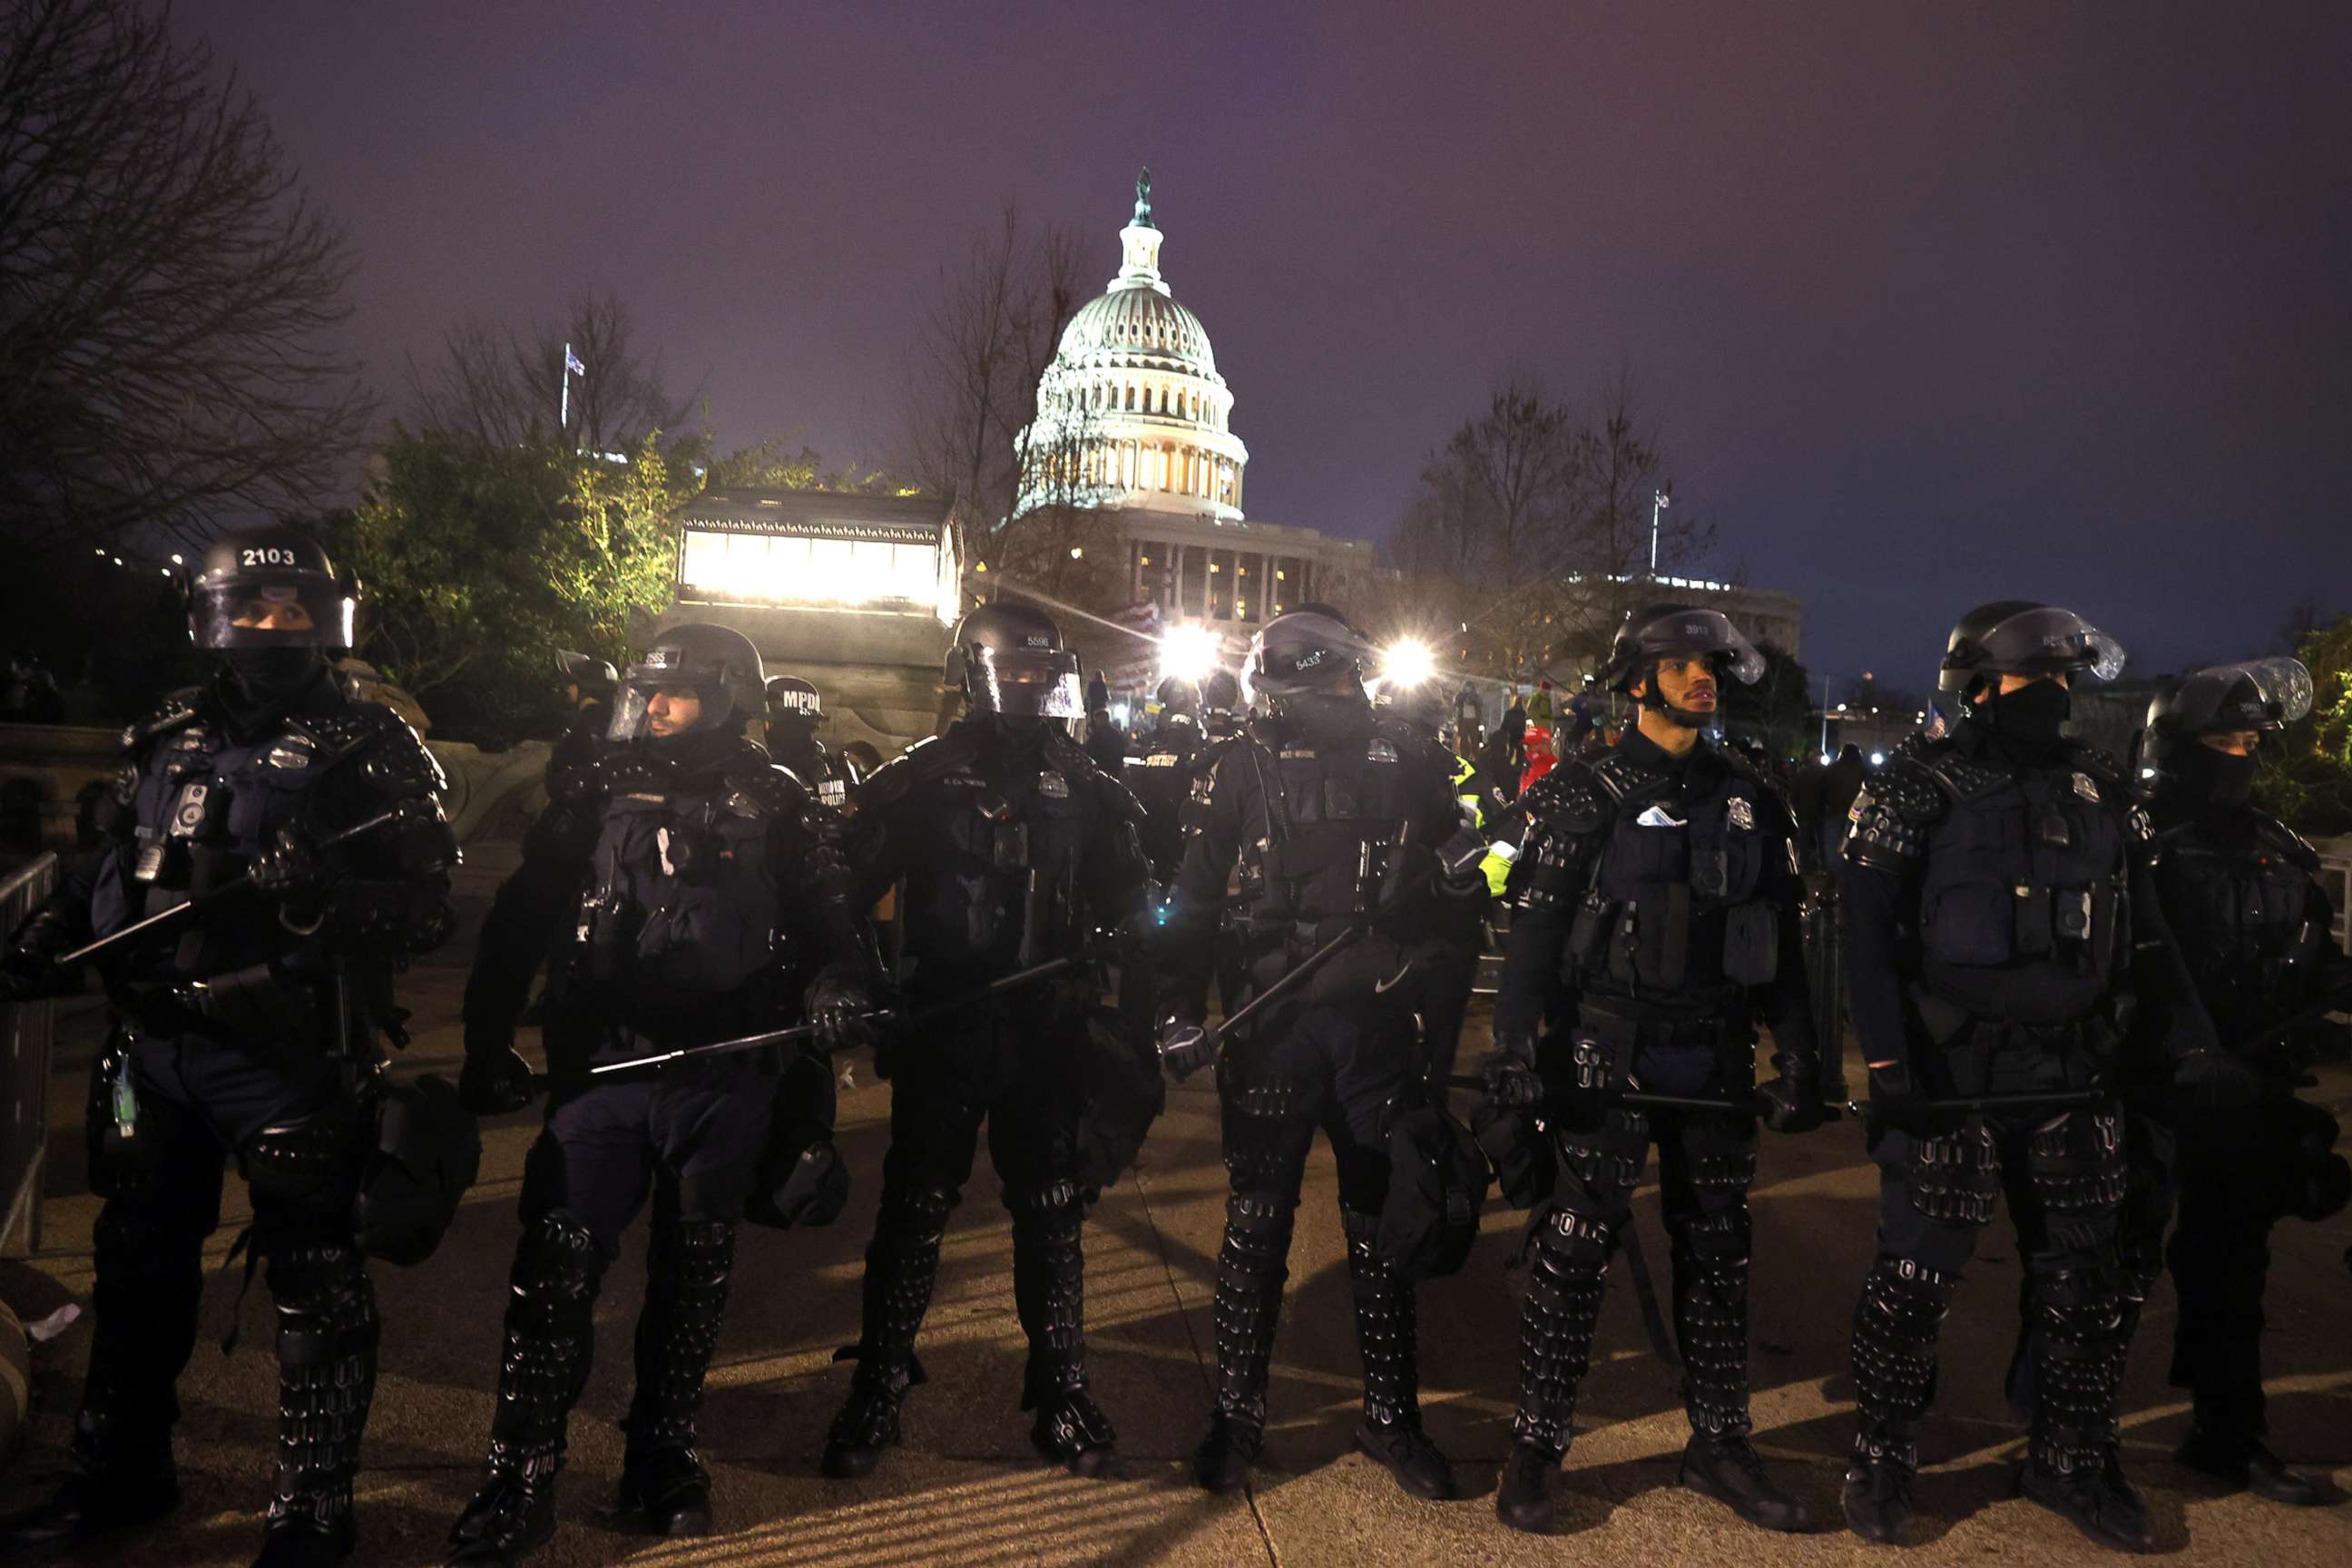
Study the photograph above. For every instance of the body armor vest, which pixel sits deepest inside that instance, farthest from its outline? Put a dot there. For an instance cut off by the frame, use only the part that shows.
(1675, 907)
(679, 924)
(995, 883)
(2240, 907)
(202, 805)
(1335, 819)
(2025, 870)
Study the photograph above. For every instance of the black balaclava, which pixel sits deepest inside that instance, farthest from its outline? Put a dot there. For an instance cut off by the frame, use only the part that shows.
(264, 683)
(2209, 777)
(2027, 724)
(1327, 718)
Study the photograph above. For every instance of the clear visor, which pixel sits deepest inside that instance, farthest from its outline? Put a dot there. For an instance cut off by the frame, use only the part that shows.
(289, 611)
(2258, 694)
(2036, 642)
(636, 716)
(1328, 657)
(1708, 632)
(1045, 686)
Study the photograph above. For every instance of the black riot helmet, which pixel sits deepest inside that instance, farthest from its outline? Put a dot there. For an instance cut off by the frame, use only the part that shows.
(718, 664)
(1221, 699)
(1677, 631)
(270, 587)
(595, 678)
(2020, 637)
(792, 700)
(1178, 697)
(2261, 695)
(1009, 659)
(1311, 650)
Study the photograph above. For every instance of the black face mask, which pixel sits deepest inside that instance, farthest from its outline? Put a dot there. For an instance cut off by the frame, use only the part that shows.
(1327, 718)
(2031, 716)
(2217, 776)
(265, 680)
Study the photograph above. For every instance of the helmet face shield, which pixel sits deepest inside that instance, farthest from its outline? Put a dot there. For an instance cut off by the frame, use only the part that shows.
(718, 667)
(272, 609)
(2040, 641)
(1694, 633)
(2254, 695)
(1304, 651)
(1043, 684)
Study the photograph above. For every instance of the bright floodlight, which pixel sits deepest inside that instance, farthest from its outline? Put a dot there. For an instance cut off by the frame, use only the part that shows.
(1407, 662)
(1188, 653)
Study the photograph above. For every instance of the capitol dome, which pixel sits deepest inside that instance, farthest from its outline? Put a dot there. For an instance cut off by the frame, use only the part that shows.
(1132, 412)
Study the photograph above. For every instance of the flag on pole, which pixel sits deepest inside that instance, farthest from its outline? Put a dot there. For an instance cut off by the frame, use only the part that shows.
(572, 362)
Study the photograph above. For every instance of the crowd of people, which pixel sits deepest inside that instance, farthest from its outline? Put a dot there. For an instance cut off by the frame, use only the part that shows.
(2078, 995)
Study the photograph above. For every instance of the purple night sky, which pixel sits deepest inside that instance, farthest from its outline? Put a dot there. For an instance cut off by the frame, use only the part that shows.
(1932, 303)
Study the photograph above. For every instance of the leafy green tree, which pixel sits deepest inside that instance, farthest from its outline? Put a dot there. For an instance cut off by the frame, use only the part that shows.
(1777, 710)
(479, 561)
(2308, 779)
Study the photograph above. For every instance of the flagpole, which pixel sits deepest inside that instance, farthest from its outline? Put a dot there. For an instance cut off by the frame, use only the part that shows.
(563, 416)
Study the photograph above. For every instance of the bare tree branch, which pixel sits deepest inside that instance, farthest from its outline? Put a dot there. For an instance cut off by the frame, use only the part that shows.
(167, 291)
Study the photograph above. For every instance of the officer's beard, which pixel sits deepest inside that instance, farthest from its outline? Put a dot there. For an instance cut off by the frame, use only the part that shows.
(1682, 717)
(266, 683)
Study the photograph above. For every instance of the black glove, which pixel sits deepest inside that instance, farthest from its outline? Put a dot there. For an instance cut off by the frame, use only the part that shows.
(27, 974)
(290, 869)
(1185, 1048)
(1792, 1101)
(2216, 1079)
(1511, 1073)
(495, 1081)
(842, 1007)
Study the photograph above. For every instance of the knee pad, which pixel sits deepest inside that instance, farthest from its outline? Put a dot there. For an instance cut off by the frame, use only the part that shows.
(304, 1162)
(557, 1248)
(1955, 1179)
(1574, 1239)
(2080, 1171)
(1609, 1157)
(2079, 1306)
(1723, 1163)
(1269, 1127)
(1722, 1239)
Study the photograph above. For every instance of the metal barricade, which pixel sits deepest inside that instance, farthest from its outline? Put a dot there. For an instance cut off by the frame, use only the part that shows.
(25, 1077)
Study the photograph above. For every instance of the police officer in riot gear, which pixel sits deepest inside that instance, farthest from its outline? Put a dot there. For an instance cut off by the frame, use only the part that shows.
(710, 901)
(1222, 708)
(1997, 902)
(1655, 921)
(1162, 778)
(2242, 893)
(1336, 817)
(795, 713)
(250, 1032)
(587, 684)
(1013, 849)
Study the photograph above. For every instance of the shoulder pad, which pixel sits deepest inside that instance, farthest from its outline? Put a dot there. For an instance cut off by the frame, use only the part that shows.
(175, 712)
(926, 759)
(1570, 799)
(766, 789)
(1962, 778)
(1615, 774)
(391, 756)
(2287, 843)
(1906, 789)
(1118, 799)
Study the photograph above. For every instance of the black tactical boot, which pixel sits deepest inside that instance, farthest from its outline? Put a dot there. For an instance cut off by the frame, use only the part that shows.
(1049, 1294)
(326, 1379)
(550, 1340)
(2071, 1466)
(118, 1475)
(1387, 1331)
(901, 1264)
(1221, 1463)
(1556, 1322)
(2246, 1462)
(1878, 1492)
(1252, 1264)
(662, 1478)
(1523, 1497)
(1895, 1324)
(1729, 1470)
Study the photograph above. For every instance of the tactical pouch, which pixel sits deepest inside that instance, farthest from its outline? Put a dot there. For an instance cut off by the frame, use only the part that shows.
(1751, 944)
(1588, 935)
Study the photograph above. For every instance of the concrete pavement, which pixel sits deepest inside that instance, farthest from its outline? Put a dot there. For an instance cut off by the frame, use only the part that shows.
(966, 1487)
